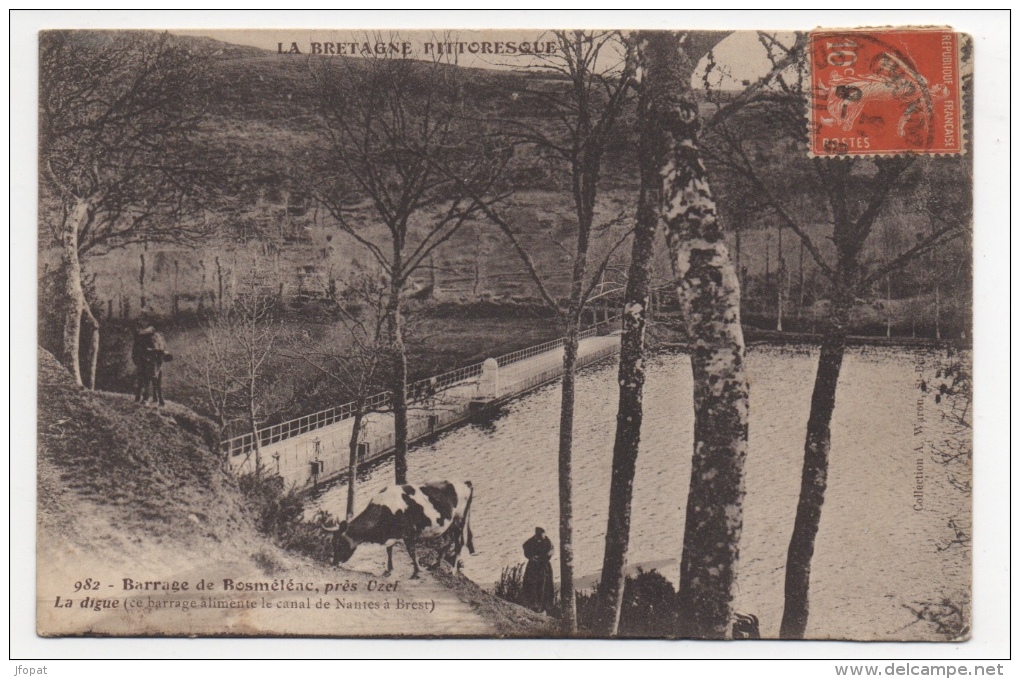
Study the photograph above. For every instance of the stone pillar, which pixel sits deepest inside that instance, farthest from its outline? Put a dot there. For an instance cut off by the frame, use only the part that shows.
(488, 382)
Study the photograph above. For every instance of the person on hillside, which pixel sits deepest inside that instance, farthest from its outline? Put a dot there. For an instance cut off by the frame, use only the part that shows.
(148, 353)
(537, 589)
(144, 336)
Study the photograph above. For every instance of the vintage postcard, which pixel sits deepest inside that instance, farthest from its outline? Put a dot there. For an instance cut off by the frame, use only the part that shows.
(548, 334)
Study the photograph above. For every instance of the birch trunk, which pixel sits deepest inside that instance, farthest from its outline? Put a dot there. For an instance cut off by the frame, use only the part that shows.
(77, 312)
(780, 271)
(568, 606)
(709, 294)
(92, 353)
(352, 460)
(399, 383)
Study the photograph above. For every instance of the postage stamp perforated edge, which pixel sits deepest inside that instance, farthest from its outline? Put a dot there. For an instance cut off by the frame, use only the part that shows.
(964, 68)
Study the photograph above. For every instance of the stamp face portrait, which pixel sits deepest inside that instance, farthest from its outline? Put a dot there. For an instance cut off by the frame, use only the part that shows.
(885, 92)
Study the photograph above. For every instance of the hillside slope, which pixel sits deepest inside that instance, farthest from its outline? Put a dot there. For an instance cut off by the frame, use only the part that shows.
(131, 494)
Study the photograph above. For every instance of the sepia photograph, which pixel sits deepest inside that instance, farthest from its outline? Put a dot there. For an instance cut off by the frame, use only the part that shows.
(505, 333)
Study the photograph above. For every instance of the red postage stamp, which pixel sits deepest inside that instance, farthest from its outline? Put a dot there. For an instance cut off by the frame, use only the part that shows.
(885, 92)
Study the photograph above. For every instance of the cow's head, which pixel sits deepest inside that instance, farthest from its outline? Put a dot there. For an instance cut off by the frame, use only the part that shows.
(343, 546)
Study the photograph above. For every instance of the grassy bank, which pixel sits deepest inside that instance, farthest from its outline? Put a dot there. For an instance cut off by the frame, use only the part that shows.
(128, 491)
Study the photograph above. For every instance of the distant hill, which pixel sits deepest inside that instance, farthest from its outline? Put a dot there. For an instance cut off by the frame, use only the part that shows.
(262, 131)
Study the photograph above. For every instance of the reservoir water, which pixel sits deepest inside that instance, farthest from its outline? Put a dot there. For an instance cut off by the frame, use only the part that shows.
(877, 554)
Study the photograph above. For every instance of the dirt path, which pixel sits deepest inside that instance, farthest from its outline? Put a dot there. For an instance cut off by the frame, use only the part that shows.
(244, 597)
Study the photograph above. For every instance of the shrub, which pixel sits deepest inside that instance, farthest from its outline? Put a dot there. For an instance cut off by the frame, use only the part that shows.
(511, 587)
(279, 514)
(649, 606)
(511, 583)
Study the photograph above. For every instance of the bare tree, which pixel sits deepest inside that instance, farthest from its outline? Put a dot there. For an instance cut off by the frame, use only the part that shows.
(596, 73)
(853, 195)
(631, 376)
(356, 364)
(239, 344)
(116, 115)
(398, 155)
(654, 144)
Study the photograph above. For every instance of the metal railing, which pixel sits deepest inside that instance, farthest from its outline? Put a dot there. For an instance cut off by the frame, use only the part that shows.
(291, 459)
(417, 392)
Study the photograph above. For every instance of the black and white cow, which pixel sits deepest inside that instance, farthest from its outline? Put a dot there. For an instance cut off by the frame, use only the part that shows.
(408, 513)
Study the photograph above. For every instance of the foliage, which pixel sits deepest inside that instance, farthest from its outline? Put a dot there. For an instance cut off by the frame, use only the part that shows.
(649, 607)
(116, 116)
(649, 602)
(278, 513)
(511, 583)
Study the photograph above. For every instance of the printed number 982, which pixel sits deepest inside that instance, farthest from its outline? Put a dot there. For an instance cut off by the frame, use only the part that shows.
(86, 584)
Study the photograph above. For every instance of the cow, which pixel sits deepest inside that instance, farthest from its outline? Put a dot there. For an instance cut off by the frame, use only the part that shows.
(408, 513)
(149, 354)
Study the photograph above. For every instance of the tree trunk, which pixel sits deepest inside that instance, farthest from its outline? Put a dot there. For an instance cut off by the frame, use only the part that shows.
(888, 306)
(398, 386)
(92, 347)
(176, 300)
(568, 606)
(938, 311)
(219, 283)
(709, 294)
(352, 460)
(740, 268)
(800, 282)
(629, 412)
(780, 270)
(256, 443)
(141, 280)
(814, 475)
(779, 306)
(478, 261)
(74, 295)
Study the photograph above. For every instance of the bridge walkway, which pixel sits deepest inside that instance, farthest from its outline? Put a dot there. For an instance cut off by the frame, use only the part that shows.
(292, 457)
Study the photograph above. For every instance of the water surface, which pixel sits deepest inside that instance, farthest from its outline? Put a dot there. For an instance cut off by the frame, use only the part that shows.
(875, 554)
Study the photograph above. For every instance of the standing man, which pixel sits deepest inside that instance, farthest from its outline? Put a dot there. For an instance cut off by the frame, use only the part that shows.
(148, 352)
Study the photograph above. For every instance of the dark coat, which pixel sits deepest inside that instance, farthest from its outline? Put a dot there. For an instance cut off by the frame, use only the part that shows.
(537, 592)
(146, 340)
